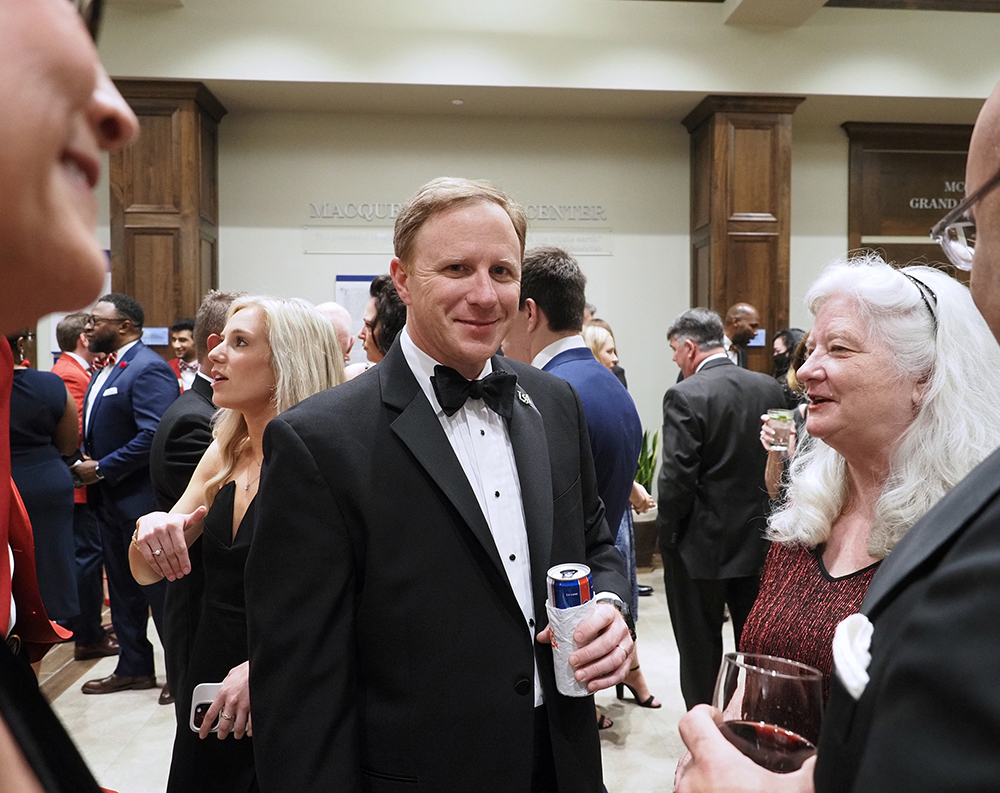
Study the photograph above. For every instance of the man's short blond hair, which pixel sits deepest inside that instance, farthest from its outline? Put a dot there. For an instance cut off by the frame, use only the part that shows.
(442, 194)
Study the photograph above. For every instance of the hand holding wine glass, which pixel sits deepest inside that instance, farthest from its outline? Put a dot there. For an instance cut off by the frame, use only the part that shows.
(772, 709)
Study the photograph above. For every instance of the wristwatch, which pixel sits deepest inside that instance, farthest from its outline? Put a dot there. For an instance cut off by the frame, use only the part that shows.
(623, 609)
(97, 472)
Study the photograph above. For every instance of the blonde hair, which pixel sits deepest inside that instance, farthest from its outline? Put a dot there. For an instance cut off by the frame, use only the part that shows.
(305, 359)
(937, 337)
(596, 337)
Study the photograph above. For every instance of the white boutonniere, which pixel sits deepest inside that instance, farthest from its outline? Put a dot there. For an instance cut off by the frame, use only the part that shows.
(851, 656)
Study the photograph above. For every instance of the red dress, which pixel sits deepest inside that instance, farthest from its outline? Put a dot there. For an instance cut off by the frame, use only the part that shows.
(799, 607)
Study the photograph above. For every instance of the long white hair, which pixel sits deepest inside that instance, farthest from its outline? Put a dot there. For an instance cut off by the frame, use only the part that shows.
(938, 337)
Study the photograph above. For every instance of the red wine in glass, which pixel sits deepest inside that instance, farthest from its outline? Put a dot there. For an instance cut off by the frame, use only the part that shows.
(772, 747)
(772, 708)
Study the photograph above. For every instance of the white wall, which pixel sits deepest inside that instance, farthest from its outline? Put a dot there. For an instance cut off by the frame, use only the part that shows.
(820, 157)
(272, 165)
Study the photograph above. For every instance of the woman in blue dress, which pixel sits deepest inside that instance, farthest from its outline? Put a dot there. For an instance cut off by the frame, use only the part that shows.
(43, 429)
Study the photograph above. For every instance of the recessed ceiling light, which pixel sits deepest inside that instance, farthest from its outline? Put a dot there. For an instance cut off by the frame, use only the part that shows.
(458, 101)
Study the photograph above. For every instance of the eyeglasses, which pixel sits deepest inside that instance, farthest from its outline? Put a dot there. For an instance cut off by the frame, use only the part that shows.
(95, 321)
(956, 231)
(90, 10)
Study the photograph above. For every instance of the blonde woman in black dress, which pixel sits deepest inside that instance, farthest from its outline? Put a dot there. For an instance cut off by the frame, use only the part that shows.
(272, 354)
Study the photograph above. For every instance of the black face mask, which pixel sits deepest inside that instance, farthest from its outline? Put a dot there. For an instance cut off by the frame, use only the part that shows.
(781, 362)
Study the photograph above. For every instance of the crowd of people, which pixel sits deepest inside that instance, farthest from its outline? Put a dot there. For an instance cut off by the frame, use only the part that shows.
(358, 567)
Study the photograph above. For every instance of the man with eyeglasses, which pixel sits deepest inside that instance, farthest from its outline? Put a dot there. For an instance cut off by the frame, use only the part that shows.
(915, 698)
(124, 404)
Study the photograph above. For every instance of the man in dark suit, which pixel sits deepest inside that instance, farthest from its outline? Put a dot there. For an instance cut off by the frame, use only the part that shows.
(183, 435)
(741, 324)
(396, 584)
(925, 713)
(546, 334)
(712, 499)
(123, 407)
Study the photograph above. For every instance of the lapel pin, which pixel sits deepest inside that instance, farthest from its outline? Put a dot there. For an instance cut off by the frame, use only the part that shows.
(523, 396)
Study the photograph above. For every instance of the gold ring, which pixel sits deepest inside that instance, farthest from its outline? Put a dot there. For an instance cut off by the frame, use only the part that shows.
(227, 718)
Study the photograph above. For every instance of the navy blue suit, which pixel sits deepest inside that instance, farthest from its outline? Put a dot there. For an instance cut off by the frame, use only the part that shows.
(118, 435)
(613, 424)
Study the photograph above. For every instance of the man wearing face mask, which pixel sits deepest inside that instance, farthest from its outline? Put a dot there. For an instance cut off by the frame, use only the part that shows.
(785, 342)
(60, 110)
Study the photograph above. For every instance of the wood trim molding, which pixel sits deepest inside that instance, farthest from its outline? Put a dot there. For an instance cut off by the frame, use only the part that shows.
(987, 6)
(716, 103)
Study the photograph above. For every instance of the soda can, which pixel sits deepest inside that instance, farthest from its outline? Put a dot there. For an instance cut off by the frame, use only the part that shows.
(569, 585)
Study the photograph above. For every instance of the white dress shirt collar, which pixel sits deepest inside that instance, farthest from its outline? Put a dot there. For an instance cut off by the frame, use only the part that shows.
(82, 361)
(559, 345)
(714, 357)
(422, 366)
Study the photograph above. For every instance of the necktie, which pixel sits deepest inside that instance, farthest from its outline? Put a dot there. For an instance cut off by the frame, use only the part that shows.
(184, 366)
(496, 390)
(99, 363)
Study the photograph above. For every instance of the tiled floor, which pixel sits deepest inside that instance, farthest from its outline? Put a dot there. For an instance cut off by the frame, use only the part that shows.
(127, 737)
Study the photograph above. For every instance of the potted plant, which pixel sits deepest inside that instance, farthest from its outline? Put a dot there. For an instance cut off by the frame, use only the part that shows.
(645, 523)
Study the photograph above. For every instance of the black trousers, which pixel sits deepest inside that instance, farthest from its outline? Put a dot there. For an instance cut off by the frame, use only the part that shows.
(543, 765)
(697, 609)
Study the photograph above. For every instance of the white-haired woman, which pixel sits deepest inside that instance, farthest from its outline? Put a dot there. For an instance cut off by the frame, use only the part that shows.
(902, 376)
(272, 354)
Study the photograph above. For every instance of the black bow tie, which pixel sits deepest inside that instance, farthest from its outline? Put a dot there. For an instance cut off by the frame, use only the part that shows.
(496, 390)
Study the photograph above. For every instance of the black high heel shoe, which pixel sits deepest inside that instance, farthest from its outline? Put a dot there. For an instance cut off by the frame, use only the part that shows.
(642, 703)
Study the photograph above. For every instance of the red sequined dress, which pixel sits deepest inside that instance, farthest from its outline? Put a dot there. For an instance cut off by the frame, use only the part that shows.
(799, 607)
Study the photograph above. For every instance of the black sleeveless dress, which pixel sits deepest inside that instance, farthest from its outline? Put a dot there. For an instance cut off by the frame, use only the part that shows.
(219, 645)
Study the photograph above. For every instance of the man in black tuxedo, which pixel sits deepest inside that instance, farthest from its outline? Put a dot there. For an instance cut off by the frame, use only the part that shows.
(396, 584)
(123, 406)
(184, 433)
(712, 499)
(928, 715)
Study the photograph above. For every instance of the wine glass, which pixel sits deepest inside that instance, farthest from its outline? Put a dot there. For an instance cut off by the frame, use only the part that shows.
(772, 709)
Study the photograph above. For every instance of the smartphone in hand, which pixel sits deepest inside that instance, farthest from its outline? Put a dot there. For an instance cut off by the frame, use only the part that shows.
(201, 700)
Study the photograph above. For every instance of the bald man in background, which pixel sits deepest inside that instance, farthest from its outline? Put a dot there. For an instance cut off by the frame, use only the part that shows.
(740, 326)
(341, 320)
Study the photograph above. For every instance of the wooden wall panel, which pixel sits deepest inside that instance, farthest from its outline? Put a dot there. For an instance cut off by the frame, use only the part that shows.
(742, 254)
(154, 161)
(750, 172)
(903, 179)
(164, 200)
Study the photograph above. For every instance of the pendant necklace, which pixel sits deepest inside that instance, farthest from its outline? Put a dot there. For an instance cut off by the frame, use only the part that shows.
(247, 485)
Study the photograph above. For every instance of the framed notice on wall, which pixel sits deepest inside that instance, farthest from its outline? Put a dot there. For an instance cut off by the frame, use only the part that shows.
(903, 179)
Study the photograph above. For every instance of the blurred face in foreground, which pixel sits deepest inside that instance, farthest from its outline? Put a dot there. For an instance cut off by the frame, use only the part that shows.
(58, 111)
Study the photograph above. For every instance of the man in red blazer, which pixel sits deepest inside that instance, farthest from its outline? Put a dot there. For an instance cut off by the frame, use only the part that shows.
(74, 367)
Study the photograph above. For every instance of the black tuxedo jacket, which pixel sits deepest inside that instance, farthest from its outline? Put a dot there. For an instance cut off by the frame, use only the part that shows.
(711, 494)
(184, 433)
(929, 717)
(387, 649)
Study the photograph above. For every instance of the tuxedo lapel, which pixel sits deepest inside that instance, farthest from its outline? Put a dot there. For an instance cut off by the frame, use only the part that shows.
(203, 389)
(531, 454)
(935, 529)
(421, 432)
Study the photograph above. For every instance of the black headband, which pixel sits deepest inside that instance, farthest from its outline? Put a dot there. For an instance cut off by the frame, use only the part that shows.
(924, 291)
